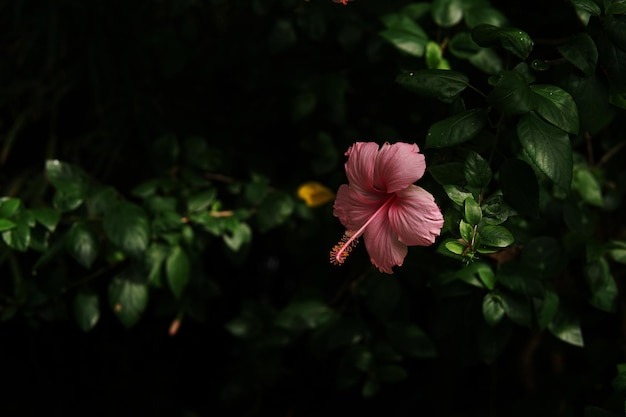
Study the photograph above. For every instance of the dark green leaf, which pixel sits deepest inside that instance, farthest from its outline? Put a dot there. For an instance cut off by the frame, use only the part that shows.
(476, 171)
(617, 7)
(6, 224)
(617, 251)
(462, 46)
(407, 42)
(201, 201)
(275, 210)
(567, 328)
(154, 258)
(475, 16)
(67, 200)
(304, 314)
(548, 147)
(127, 226)
(518, 309)
(447, 13)
(457, 193)
(545, 255)
(86, 309)
(591, 97)
(496, 211)
(47, 217)
(512, 40)
(496, 236)
(456, 129)
(370, 388)
(587, 186)
(128, 297)
(82, 244)
(487, 60)
(511, 94)
(448, 173)
(581, 52)
(101, 199)
(410, 340)
(493, 308)
(473, 213)
(9, 206)
(556, 106)
(587, 6)
(177, 269)
(18, 237)
(66, 177)
(546, 307)
(519, 186)
(602, 285)
(444, 85)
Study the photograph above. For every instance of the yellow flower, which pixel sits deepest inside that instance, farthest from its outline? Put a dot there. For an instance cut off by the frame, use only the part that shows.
(315, 194)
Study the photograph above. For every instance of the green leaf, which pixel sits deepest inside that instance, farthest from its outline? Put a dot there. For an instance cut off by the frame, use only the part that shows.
(518, 309)
(128, 297)
(511, 94)
(602, 285)
(473, 213)
(47, 217)
(67, 178)
(434, 57)
(154, 258)
(581, 52)
(101, 199)
(410, 340)
(18, 237)
(496, 211)
(493, 308)
(567, 328)
(82, 244)
(548, 147)
(476, 171)
(512, 40)
(456, 129)
(462, 46)
(448, 173)
(587, 6)
(177, 269)
(546, 307)
(6, 224)
(305, 314)
(475, 16)
(591, 96)
(467, 233)
(127, 226)
(487, 60)
(86, 309)
(404, 33)
(587, 186)
(9, 206)
(447, 13)
(616, 7)
(201, 201)
(370, 388)
(275, 210)
(617, 251)
(556, 106)
(496, 236)
(240, 235)
(444, 85)
(519, 186)
(457, 193)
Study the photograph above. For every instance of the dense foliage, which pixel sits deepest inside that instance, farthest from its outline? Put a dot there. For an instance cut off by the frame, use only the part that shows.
(168, 170)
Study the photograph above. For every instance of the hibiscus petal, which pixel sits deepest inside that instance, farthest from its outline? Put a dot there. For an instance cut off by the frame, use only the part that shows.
(415, 217)
(360, 165)
(383, 246)
(398, 166)
(354, 208)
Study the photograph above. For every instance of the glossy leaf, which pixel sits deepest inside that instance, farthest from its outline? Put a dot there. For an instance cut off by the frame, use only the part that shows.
(444, 85)
(18, 237)
(587, 186)
(511, 94)
(434, 57)
(457, 193)
(475, 16)
(519, 186)
(447, 13)
(473, 213)
(476, 171)
(201, 201)
(456, 129)
(546, 307)
(128, 227)
(497, 236)
(47, 217)
(556, 106)
(404, 33)
(493, 308)
(6, 224)
(466, 231)
(512, 40)
(587, 6)
(548, 147)
(66, 177)
(567, 328)
(581, 52)
(128, 297)
(86, 309)
(177, 269)
(448, 173)
(602, 285)
(9, 206)
(82, 244)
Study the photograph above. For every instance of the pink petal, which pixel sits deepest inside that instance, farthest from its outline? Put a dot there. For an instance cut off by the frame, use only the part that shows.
(360, 165)
(398, 166)
(353, 208)
(383, 246)
(415, 217)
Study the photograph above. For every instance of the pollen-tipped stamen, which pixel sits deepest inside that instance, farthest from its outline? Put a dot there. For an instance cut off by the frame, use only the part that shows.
(339, 253)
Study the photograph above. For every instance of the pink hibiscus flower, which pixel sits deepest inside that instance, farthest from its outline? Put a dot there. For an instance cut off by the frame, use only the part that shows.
(381, 204)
